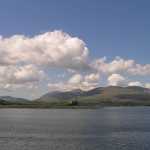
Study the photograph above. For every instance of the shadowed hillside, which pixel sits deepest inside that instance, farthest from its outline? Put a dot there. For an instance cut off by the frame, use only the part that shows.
(102, 96)
(112, 95)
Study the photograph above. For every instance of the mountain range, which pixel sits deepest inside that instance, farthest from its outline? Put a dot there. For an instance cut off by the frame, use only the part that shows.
(112, 95)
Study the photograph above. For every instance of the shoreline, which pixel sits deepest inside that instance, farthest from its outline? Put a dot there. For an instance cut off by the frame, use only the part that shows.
(65, 107)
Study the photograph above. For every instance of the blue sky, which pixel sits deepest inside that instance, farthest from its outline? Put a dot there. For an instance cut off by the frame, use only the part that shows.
(108, 27)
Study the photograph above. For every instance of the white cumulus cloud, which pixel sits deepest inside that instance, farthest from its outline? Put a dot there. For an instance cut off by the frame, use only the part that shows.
(27, 62)
(147, 85)
(77, 81)
(116, 80)
(136, 83)
(51, 49)
(20, 76)
(120, 65)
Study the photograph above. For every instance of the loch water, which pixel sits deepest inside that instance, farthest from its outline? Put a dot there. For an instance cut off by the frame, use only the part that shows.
(108, 128)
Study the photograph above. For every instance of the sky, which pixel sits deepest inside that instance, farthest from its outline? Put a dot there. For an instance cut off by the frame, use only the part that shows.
(48, 45)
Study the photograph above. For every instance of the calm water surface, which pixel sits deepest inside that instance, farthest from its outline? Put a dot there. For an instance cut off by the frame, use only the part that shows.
(111, 128)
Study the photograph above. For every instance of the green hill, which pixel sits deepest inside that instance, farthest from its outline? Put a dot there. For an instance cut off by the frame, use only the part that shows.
(112, 95)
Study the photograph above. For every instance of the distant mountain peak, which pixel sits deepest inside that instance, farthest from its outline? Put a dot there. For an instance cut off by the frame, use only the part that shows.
(99, 93)
(12, 99)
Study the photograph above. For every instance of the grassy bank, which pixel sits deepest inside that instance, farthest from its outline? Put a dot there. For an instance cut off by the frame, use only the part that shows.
(72, 105)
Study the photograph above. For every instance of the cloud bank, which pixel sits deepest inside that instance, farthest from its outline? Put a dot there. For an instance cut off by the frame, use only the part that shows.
(27, 62)
(50, 49)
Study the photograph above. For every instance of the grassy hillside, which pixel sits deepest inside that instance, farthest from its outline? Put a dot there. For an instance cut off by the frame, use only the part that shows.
(102, 96)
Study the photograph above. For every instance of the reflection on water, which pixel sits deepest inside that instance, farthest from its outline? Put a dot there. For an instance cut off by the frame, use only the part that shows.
(115, 128)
